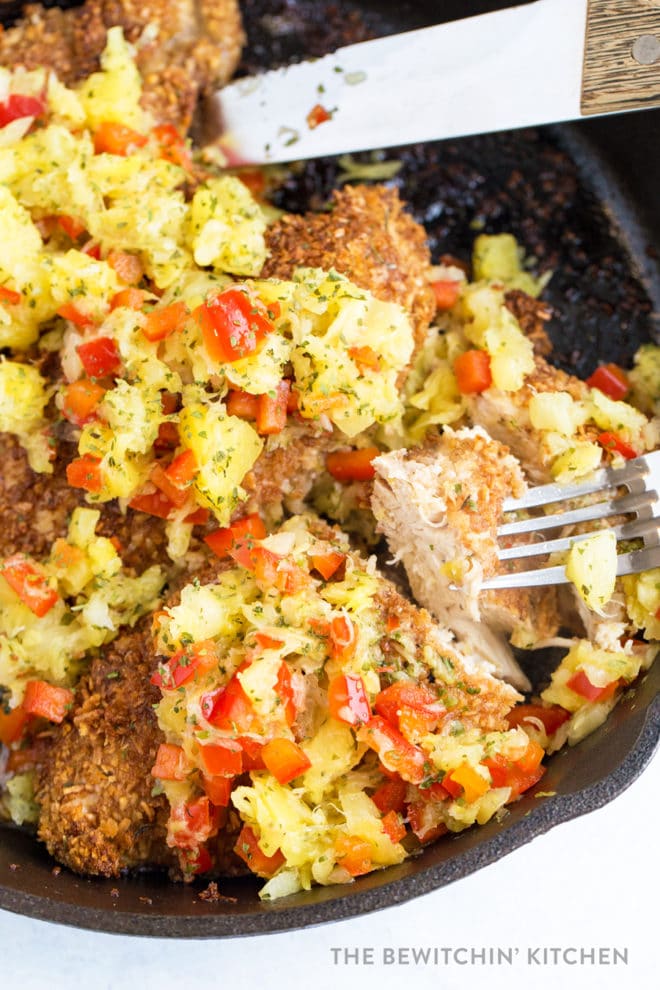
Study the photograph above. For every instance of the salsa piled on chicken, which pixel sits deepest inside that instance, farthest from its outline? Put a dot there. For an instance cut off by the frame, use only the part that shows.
(211, 413)
(301, 689)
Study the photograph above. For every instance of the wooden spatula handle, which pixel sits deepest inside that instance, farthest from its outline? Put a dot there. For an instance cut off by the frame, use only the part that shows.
(621, 56)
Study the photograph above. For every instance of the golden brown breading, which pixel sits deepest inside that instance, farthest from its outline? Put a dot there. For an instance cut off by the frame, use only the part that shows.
(368, 237)
(35, 510)
(98, 814)
(188, 46)
(481, 701)
(531, 315)
(287, 469)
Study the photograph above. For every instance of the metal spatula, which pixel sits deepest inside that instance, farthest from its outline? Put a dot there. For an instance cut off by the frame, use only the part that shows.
(542, 62)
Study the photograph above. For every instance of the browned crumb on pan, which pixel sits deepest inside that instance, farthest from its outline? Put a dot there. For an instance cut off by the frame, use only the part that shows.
(213, 896)
(532, 315)
(183, 48)
(367, 236)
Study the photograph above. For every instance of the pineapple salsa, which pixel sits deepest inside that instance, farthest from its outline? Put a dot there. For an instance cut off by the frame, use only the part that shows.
(299, 692)
(166, 335)
(291, 693)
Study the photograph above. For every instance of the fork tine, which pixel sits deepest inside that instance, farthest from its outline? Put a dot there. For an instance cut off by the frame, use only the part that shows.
(628, 531)
(600, 510)
(601, 480)
(628, 563)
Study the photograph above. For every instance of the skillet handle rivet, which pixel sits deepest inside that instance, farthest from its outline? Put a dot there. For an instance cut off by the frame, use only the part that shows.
(646, 49)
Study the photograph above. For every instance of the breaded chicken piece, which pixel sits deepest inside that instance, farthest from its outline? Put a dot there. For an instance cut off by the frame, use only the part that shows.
(439, 508)
(505, 416)
(35, 511)
(482, 701)
(367, 236)
(289, 465)
(183, 48)
(100, 815)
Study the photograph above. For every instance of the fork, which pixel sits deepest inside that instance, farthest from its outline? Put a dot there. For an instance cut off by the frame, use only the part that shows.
(641, 477)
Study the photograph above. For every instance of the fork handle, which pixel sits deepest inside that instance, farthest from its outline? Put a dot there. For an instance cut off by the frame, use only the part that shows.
(621, 68)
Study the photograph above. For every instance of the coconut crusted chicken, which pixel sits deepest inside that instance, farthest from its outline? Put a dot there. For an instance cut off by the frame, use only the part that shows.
(183, 49)
(369, 238)
(302, 690)
(439, 507)
(100, 813)
(166, 333)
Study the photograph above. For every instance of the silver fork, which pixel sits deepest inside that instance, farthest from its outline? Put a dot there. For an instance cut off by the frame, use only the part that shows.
(641, 478)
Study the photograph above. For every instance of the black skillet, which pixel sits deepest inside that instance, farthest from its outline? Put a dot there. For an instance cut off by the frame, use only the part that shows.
(583, 199)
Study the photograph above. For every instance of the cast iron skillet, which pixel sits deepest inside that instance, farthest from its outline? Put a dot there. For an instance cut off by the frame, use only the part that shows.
(582, 198)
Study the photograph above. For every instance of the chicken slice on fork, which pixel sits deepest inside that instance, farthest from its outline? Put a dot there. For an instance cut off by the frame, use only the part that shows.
(439, 507)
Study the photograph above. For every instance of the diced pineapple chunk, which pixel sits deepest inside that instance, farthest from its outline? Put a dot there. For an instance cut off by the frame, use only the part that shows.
(591, 567)
(23, 398)
(643, 601)
(332, 753)
(556, 411)
(581, 458)
(225, 449)
(113, 94)
(134, 413)
(87, 283)
(511, 353)
(619, 417)
(259, 683)
(226, 227)
(82, 526)
(499, 258)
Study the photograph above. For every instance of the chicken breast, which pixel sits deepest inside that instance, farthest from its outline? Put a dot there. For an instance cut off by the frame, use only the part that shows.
(439, 508)
(98, 813)
(183, 48)
(367, 236)
(35, 510)
(101, 811)
(288, 467)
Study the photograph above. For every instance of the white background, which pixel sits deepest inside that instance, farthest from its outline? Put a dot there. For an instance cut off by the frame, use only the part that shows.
(590, 882)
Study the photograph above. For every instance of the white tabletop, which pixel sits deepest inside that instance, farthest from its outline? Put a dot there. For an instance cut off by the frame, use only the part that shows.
(591, 884)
